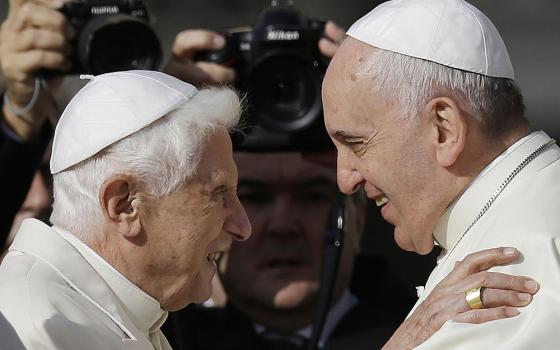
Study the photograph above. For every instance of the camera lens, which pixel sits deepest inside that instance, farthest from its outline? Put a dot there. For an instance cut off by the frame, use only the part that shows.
(285, 93)
(121, 42)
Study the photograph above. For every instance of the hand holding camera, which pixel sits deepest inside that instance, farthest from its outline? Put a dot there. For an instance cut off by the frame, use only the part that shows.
(112, 35)
(280, 63)
(182, 64)
(34, 37)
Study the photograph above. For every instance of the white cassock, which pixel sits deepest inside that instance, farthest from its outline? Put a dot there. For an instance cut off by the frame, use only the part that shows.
(57, 293)
(526, 215)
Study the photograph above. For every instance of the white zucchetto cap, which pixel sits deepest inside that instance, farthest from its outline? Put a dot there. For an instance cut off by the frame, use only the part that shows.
(111, 107)
(449, 32)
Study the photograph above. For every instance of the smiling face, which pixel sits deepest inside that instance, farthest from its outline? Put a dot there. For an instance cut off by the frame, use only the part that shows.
(391, 157)
(187, 230)
(287, 199)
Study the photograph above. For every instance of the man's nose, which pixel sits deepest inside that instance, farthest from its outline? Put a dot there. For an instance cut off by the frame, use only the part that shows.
(349, 179)
(238, 224)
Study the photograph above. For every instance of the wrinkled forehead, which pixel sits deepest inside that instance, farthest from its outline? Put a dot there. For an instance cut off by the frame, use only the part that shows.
(348, 84)
(352, 63)
(216, 158)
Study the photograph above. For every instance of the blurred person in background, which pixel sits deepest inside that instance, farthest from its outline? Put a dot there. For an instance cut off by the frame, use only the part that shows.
(34, 36)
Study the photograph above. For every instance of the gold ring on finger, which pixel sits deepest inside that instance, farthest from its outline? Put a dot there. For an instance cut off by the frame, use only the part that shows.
(473, 298)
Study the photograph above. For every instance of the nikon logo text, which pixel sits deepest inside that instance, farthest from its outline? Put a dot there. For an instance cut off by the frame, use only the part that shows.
(282, 35)
(104, 10)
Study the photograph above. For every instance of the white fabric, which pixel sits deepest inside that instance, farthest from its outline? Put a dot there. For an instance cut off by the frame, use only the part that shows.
(58, 296)
(144, 311)
(524, 216)
(111, 107)
(449, 32)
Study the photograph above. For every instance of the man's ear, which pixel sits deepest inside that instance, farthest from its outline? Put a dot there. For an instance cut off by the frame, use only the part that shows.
(118, 198)
(451, 129)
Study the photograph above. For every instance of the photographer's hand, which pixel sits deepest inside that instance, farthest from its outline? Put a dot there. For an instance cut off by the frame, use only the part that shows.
(501, 295)
(34, 36)
(183, 66)
(334, 36)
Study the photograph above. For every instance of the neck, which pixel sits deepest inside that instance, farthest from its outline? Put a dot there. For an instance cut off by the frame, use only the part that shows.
(107, 244)
(481, 152)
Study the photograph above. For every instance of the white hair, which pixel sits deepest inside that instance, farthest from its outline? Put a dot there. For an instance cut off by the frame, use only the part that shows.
(161, 156)
(496, 103)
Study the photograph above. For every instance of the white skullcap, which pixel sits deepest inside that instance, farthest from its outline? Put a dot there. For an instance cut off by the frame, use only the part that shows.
(111, 107)
(449, 32)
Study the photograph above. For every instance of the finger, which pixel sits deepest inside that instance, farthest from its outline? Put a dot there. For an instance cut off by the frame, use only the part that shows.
(327, 47)
(492, 298)
(29, 62)
(502, 281)
(187, 71)
(486, 315)
(218, 74)
(334, 32)
(482, 260)
(189, 42)
(32, 38)
(34, 15)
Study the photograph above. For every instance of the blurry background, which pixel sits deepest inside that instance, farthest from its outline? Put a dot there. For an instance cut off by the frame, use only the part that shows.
(531, 30)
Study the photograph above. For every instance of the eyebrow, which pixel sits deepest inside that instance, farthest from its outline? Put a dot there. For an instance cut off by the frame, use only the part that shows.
(343, 136)
(219, 189)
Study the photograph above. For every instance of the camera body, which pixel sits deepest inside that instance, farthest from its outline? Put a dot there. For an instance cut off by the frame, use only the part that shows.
(280, 68)
(112, 35)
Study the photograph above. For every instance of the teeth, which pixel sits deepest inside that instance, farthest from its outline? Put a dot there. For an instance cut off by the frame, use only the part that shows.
(380, 201)
(214, 256)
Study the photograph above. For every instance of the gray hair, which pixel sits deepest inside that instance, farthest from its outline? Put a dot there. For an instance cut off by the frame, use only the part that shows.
(496, 103)
(161, 156)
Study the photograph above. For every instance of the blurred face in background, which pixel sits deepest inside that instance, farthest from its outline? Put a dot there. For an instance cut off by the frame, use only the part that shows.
(287, 199)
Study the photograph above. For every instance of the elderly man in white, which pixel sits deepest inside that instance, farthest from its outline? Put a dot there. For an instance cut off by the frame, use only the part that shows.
(145, 202)
(421, 103)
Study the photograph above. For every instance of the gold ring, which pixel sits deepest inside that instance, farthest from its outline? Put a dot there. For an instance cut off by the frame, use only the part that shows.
(473, 298)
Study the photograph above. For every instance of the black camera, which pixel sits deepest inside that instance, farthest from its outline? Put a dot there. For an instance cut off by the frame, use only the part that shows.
(112, 35)
(280, 68)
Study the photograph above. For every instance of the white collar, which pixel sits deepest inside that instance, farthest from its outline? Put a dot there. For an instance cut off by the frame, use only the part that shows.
(143, 310)
(453, 223)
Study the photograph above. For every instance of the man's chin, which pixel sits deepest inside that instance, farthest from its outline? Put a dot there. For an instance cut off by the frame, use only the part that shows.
(405, 243)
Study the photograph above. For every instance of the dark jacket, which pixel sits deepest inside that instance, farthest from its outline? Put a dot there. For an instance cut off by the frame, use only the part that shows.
(18, 163)
(368, 325)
